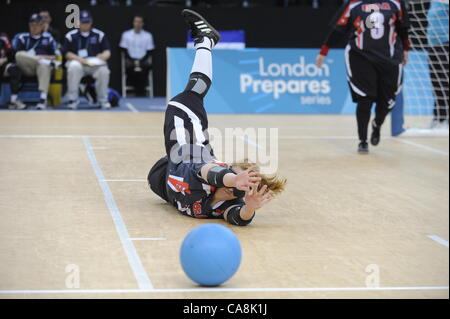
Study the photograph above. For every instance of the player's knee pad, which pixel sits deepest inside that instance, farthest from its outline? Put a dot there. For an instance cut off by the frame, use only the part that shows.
(234, 217)
(199, 83)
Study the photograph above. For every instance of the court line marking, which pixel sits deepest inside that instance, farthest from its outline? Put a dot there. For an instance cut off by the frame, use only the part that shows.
(124, 180)
(438, 240)
(187, 290)
(100, 148)
(160, 136)
(82, 136)
(251, 142)
(312, 137)
(148, 238)
(133, 258)
(131, 107)
(424, 147)
(428, 148)
(156, 128)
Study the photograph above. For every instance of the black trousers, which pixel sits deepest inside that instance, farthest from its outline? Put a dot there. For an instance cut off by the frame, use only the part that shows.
(438, 64)
(369, 83)
(137, 79)
(11, 71)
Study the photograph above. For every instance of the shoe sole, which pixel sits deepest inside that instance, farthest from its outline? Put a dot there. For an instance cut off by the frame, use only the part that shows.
(204, 20)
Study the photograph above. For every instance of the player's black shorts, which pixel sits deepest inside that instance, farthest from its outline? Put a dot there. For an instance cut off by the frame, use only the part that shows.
(380, 82)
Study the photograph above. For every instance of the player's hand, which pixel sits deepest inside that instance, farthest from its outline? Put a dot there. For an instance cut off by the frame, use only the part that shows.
(246, 179)
(320, 60)
(405, 57)
(255, 199)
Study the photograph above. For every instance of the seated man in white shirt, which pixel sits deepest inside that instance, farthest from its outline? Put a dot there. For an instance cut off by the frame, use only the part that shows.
(137, 45)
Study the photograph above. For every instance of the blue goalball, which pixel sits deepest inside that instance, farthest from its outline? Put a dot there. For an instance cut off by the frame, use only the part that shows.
(210, 254)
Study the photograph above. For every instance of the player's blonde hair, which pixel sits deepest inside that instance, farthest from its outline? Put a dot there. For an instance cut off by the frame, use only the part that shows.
(274, 182)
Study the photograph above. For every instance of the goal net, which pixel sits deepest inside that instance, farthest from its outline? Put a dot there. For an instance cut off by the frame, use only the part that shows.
(425, 90)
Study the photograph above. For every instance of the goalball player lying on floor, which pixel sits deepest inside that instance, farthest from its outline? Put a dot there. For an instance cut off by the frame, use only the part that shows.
(190, 177)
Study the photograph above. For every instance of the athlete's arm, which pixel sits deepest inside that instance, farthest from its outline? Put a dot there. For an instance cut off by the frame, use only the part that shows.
(220, 176)
(254, 199)
(340, 26)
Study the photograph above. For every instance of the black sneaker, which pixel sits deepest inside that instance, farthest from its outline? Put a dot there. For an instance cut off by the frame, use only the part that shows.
(375, 137)
(199, 26)
(363, 148)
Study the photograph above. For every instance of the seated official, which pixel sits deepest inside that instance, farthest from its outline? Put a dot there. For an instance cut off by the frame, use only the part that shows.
(35, 55)
(137, 44)
(87, 50)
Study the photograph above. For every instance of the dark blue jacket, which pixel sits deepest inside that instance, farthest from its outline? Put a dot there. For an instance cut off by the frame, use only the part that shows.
(95, 43)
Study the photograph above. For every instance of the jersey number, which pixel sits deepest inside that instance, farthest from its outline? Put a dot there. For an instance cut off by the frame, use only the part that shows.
(375, 22)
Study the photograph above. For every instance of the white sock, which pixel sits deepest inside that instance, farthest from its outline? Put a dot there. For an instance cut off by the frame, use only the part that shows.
(203, 58)
(13, 97)
(44, 96)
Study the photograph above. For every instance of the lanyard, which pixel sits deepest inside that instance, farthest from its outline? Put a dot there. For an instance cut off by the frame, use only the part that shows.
(87, 42)
(35, 45)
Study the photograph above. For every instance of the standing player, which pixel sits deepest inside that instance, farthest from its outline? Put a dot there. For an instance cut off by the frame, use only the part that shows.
(189, 177)
(375, 55)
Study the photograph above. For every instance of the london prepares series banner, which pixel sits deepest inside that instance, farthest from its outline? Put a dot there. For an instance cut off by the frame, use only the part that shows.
(266, 81)
(281, 81)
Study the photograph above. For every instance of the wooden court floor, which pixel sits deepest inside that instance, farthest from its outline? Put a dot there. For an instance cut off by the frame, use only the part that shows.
(78, 219)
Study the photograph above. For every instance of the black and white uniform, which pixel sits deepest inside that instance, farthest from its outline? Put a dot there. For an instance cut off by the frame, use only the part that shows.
(176, 177)
(374, 53)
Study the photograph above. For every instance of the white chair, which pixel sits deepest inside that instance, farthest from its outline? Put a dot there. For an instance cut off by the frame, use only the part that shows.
(126, 87)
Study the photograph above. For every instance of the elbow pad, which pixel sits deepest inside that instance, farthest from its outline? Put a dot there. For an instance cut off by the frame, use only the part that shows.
(234, 217)
(216, 174)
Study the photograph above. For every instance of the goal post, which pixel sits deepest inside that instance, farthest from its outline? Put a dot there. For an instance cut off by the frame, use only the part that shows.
(422, 106)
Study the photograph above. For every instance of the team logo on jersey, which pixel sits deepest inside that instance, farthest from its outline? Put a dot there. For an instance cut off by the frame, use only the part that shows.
(178, 185)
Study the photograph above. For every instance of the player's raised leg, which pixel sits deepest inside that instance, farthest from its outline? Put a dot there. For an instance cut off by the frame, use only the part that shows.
(186, 121)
